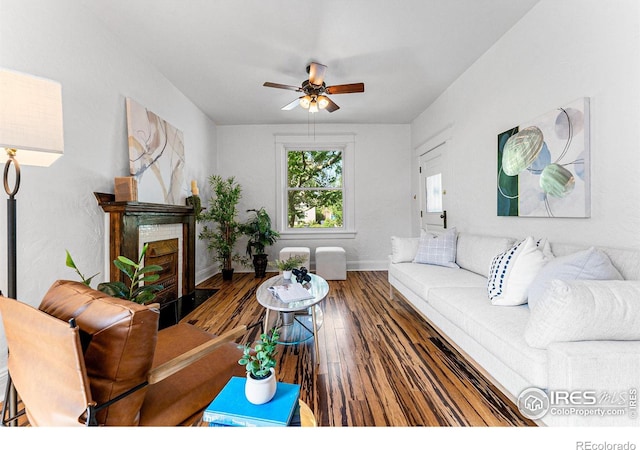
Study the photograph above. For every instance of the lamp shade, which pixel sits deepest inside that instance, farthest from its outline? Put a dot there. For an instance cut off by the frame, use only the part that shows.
(30, 118)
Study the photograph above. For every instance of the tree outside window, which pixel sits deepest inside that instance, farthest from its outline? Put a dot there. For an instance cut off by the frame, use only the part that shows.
(315, 194)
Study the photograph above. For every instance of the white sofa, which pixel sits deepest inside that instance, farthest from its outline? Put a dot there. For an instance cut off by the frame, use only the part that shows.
(455, 301)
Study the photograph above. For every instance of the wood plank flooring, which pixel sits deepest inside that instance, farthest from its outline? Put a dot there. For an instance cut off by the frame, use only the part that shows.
(380, 363)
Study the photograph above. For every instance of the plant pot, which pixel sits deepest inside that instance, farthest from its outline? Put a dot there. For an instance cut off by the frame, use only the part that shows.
(227, 274)
(262, 391)
(286, 274)
(260, 264)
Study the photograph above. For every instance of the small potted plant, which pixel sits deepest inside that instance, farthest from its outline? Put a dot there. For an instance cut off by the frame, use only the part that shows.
(261, 235)
(260, 364)
(287, 265)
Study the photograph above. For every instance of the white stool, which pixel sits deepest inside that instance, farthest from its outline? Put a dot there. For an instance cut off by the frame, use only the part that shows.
(304, 252)
(331, 263)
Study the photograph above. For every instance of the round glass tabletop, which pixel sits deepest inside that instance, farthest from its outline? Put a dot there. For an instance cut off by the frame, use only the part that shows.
(295, 318)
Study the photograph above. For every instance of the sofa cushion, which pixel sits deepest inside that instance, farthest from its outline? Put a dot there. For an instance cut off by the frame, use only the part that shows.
(438, 250)
(513, 271)
(498, 330)
(120, 346)
(420, 278)
(403, 249)
(589, 264)
(475, 252)
(585, 310)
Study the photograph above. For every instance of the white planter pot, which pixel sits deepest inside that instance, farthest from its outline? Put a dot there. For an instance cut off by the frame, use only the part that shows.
(286, 274)
(260, 391)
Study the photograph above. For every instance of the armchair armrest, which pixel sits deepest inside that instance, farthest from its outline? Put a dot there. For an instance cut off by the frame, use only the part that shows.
(178, 363)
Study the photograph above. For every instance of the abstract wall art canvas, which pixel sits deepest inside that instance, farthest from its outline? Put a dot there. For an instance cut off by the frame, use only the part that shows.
(156, 156)
(543, 165)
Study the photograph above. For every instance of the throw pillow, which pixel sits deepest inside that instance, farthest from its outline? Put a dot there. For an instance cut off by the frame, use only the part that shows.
(438, 250)
(589, 264)
(403, 249)
(512, 272)
(585, 310)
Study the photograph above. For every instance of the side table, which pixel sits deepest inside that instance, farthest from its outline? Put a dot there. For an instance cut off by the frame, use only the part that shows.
(318, 287)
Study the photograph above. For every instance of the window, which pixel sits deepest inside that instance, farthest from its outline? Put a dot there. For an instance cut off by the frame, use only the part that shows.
(315, 186)
(434, 193)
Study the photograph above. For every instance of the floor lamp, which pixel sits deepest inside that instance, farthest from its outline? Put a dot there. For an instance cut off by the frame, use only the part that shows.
(30, 131)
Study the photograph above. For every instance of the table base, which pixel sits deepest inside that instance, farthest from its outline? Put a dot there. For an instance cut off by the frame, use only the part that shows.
(297, 327)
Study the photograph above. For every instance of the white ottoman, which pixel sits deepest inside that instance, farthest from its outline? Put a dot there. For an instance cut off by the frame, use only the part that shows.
(331, 263)
(304, 252)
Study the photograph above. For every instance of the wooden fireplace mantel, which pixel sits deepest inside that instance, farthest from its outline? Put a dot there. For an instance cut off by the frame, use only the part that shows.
(125, 218)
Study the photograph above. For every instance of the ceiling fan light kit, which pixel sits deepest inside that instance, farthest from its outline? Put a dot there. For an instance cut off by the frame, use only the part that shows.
(315, 89)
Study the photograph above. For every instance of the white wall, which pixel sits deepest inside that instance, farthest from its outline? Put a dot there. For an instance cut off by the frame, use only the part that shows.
(56, 206)
(382, 184)
(557, 53)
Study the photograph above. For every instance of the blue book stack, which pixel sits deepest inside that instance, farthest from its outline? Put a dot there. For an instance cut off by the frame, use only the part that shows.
(231, 407)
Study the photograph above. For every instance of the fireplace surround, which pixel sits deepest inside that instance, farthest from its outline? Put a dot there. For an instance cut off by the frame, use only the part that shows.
(128, 221)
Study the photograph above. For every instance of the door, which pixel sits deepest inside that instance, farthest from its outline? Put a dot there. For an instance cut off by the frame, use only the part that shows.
(433, 214)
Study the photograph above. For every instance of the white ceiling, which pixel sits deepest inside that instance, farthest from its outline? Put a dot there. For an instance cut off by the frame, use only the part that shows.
(220, 52)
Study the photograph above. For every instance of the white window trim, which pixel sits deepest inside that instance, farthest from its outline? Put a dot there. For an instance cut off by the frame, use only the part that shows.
(344, 142)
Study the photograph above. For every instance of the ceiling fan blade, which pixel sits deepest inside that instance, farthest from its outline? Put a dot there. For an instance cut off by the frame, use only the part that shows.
(331, 107)
(345, 88)
(282, 86)
(290, 106)
(316, 73)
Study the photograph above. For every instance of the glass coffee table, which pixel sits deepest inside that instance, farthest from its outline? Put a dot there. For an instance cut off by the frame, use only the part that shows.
(299, 321)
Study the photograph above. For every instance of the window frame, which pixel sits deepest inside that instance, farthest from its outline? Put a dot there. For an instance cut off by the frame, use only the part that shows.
(344, 143)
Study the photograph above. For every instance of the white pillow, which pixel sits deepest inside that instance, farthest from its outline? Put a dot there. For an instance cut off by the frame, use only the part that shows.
(403, 249)
(438, 250)
(512, 271)
(585, 310)
(589, 264)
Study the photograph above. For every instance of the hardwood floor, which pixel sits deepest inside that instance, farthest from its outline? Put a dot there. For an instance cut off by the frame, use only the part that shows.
(380, 364)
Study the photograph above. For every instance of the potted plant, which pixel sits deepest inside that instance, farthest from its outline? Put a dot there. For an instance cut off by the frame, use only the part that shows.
(139, 289)
(287, 265)
(222, 213)
(260, 364)
(258, 229)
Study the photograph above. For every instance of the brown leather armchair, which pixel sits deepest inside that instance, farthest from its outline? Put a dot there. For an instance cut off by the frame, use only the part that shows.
(82, 349)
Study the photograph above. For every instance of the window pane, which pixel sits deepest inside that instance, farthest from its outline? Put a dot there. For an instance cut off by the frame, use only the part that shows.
(314, 168)
(315, 209)
(434, 193)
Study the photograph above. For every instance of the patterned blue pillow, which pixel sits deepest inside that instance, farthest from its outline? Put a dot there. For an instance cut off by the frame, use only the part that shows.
(438, 250)
(513, 271)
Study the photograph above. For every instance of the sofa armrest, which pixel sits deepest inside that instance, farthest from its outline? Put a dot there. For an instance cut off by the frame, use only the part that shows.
(594, 365)
(610, 368)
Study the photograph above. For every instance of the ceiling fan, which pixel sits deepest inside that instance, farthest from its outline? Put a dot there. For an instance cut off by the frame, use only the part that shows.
(315, 90)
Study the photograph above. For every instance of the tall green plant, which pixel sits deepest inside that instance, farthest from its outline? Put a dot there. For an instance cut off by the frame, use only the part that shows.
(258, 229)
(222, 228)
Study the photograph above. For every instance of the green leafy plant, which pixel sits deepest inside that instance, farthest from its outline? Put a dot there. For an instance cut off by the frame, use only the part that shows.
(72, 264)
(223, 213)
(260, 359)
(139, 290)
(291, 263)
(258, 229)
